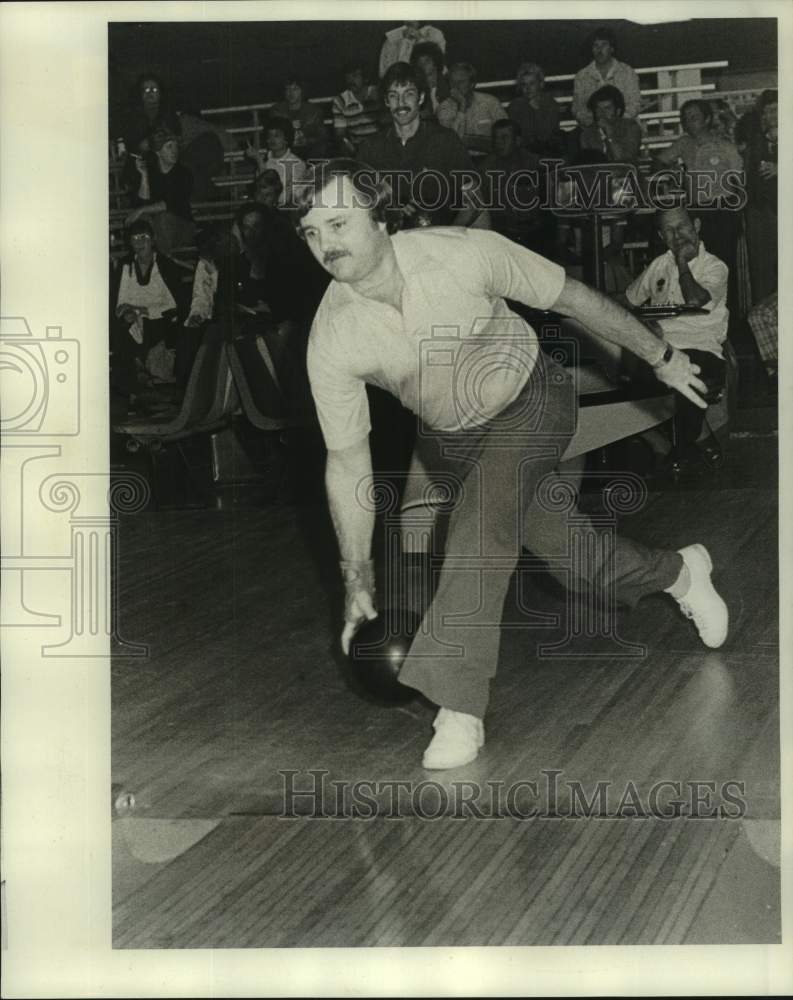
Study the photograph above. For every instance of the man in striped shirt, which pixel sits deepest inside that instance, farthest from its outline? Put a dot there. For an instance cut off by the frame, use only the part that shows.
(356, 110)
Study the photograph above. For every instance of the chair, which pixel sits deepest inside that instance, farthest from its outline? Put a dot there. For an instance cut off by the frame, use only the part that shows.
(255, 376)
(207, 402)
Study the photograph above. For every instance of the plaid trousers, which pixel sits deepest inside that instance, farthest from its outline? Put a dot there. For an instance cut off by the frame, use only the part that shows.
(764, 322)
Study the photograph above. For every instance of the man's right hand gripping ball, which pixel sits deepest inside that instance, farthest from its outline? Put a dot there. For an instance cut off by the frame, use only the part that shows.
(359, 594)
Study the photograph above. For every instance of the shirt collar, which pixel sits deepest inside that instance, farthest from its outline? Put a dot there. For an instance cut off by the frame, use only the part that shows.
(612, 69)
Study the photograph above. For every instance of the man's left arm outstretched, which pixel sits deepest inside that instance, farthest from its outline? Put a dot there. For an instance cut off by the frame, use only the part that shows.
(616, 325)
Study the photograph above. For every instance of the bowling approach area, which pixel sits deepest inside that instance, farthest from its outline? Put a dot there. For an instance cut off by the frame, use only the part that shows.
(628, 791)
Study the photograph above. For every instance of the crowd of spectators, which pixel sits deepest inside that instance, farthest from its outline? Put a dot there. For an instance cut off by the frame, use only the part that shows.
(455, 155)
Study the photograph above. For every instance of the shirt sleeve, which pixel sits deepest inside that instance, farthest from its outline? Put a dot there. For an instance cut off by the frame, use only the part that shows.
(204, 287)
(713, 279)
(638, 292)
(339, 396)
(633, 140)
(580, 111)
(631, 93)
(513, 272)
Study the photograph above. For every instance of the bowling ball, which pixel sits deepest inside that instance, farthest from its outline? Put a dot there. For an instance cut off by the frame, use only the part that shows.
(377, 652)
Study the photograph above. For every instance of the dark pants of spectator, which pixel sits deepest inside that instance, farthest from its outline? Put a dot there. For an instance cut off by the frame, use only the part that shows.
(762, 250)
(689, 418)
(129, 357)
(512, 497)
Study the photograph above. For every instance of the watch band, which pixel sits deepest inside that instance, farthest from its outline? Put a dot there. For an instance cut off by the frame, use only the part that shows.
(665, 358)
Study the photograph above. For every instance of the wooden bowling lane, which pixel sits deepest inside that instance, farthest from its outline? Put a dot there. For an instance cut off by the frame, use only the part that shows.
(242, 683)
(265, 882)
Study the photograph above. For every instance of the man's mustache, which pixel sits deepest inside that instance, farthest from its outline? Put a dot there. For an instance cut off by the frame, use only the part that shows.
(334, 255)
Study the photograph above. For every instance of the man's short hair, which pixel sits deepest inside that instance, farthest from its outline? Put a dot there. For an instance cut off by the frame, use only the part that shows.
(283, 125)
(679, 203)
(704, 106)
(402, 74)
(603, 34)
(374, 193)
(607, 93)
(527, 68)
(464, 67)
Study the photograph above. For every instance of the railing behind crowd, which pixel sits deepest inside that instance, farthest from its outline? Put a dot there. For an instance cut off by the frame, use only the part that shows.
(666, 89)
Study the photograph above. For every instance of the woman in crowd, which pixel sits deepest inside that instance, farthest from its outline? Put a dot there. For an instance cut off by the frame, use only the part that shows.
(427, 58)
(163, 192)
(149, 305)
(148, 107)
(536, 113)
(309, 128)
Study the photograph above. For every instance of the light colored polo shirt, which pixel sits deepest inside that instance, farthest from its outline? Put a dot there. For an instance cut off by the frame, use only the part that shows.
(660, 283)
(456, 355)
(588, 80)
(473, 124)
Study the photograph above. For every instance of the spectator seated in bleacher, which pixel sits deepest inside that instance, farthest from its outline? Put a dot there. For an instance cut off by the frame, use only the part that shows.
(164, 191)
(509, 188)
(536, 113)
(279, 136)
(267, 188)
(272, 289)
(203, 149)
(309, 137)
(688, 275)
(425, 150)
(714, 165)
(758, 133)
(605, 68)
(428, 59)
(147, 109)
(150, 304)
(356, 110)
(400, 42)
(618, 138)
(469, 112)
(764, 323)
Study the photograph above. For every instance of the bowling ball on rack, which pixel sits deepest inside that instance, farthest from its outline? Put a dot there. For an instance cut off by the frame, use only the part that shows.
(377, 652)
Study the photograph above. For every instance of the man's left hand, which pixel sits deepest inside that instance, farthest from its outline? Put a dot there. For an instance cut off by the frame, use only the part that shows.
(685, 254)
(680, 373)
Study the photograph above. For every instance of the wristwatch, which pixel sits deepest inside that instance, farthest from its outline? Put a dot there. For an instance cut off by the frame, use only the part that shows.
(666, 357)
